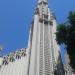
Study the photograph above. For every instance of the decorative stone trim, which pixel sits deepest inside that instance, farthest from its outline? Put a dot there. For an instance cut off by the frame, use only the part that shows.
(12, 57)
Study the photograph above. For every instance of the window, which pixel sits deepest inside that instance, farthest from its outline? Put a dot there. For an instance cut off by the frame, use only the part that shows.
(5, 62)
(51, 23)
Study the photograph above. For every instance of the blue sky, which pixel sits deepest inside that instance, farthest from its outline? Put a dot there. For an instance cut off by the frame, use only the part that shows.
(16, 17)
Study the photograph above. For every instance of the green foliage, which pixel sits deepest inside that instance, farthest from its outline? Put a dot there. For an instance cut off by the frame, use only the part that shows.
(66, 34)
(61, 34)
(71, 18)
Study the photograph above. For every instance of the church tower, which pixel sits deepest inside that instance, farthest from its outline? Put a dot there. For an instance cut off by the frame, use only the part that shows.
(44, 49)
(42, 57)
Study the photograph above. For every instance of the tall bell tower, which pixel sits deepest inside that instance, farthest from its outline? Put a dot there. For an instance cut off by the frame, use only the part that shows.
(44, 48)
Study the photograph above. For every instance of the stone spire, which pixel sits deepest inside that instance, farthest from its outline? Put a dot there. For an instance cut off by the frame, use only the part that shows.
(42, 8)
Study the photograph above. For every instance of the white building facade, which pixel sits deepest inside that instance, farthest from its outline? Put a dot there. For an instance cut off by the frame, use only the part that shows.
(42, 55)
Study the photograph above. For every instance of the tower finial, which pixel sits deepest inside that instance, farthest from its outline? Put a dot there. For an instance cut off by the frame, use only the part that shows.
(42, 1)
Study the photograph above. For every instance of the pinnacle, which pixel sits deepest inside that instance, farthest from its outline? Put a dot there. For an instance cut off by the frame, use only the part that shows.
(42, 1)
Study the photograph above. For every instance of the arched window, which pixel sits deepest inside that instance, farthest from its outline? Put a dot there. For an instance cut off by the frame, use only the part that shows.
(5, 61)
(11, 59)
(23, 54)
(18, 55)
